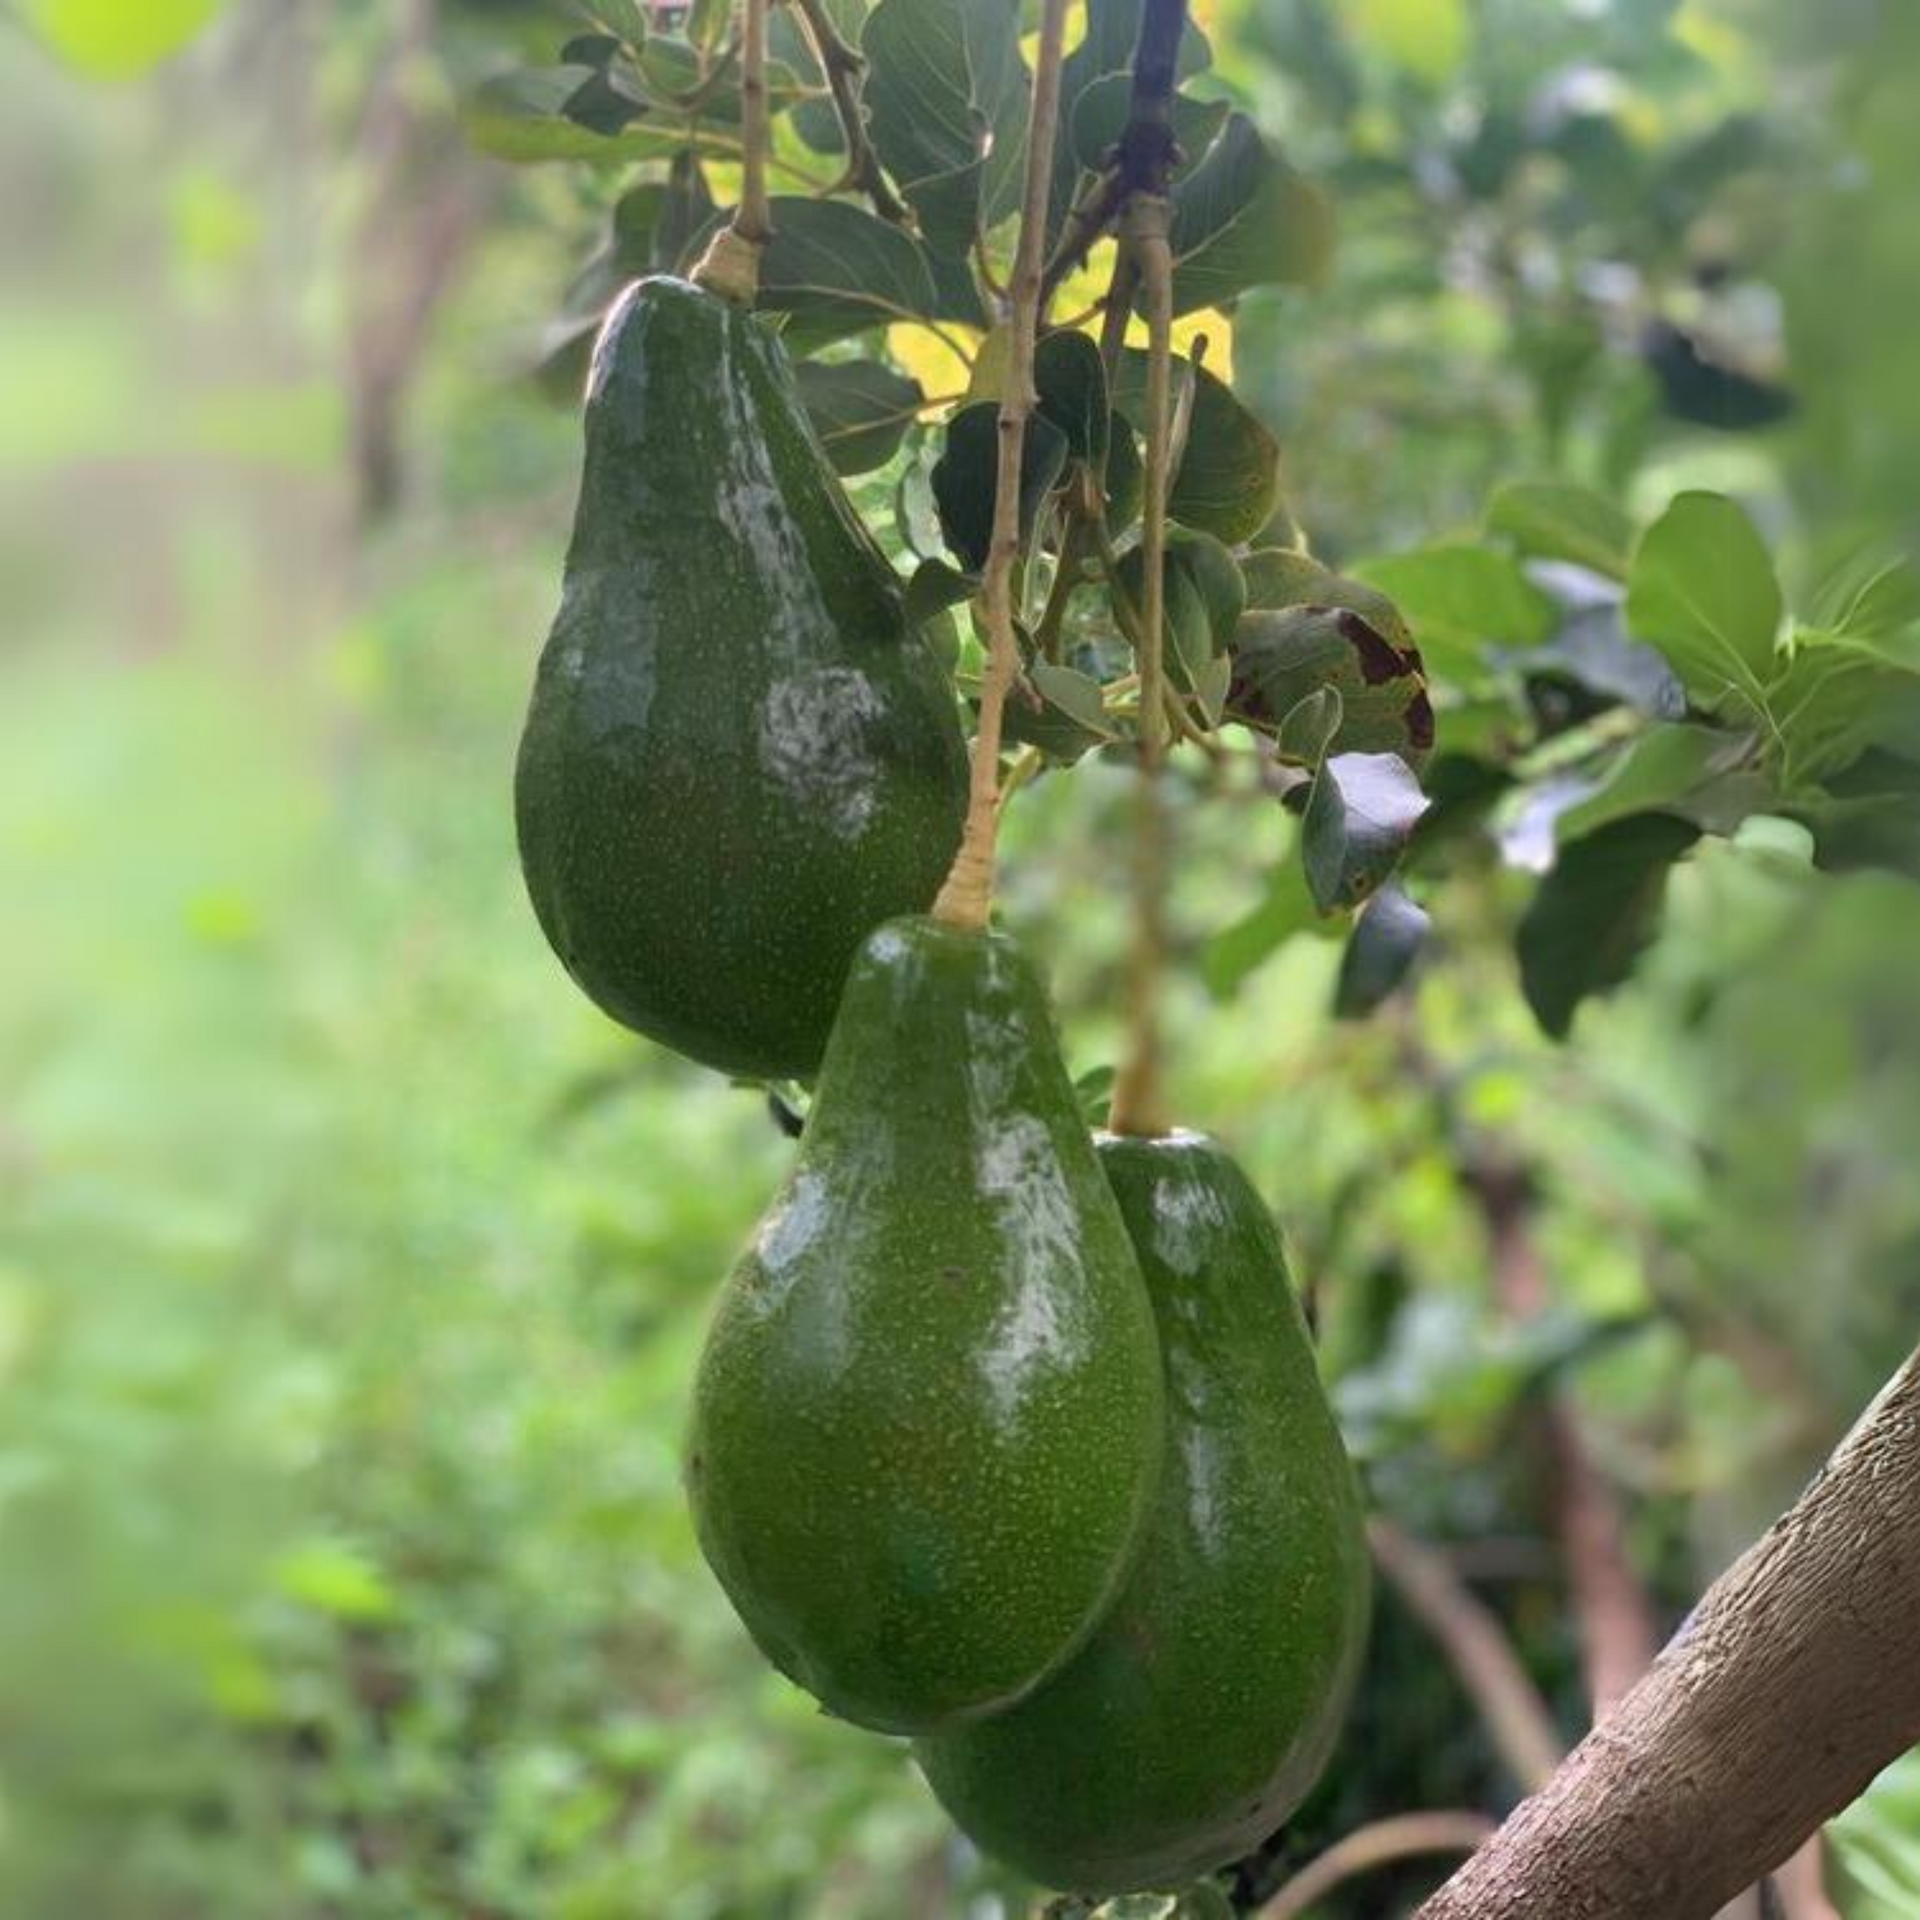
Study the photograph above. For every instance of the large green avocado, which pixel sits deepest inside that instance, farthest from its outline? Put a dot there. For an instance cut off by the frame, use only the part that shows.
(739, 758)
(927, 1424)
(1205, 1705)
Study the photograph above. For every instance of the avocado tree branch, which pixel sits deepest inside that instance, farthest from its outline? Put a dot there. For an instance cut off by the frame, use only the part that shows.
(843, 65)
(1369, 1848)
(967, 897)
(731, 264)
(1795, 1682)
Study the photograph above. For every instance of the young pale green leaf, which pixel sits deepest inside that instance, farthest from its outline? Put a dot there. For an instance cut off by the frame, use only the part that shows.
(1550, 520)
(1287, 910)
(1703, 591)
(1595, 913)
(1833, 700)
(1461, 599)
(1229, 476)
(1244, 217)
(1360, 815)
(1280, 656)
(109, 40)
(1694, 773)
(945, 96)
(966, 478)
(860, 408)
(1380, 952)
(1867, 598)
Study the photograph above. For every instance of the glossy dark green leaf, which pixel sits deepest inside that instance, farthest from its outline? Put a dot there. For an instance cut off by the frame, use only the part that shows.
(839, 268)
(1072, 385)
(522, 117)
(1595, 913)
(1204, 597)
(945, 95)
(1100, 116)
(860, 408)
(1380, 952)
(935, 586)
(1693, 773)
(1360, 815)
(1245, 217)
(966, 478)
(1229, 476)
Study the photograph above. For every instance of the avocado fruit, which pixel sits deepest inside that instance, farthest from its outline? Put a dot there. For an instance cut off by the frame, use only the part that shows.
(1205, 1705)
(739, 757)
(927, 1422)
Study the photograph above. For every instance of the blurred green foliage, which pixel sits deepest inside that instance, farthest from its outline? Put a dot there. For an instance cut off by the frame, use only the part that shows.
(351, 1268)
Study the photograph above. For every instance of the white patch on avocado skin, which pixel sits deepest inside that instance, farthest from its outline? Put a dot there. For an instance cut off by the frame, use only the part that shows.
(815, 748)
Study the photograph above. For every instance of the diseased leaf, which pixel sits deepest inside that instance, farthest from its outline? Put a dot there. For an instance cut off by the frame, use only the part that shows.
(1244, 217)
(1360, 814)
(945, 96)
(1595, 913)
(860, 408)
(1281, 656)
(1703, 591)
(1549, 520)
(1380, 952)
(966, 478)
(1229, 476)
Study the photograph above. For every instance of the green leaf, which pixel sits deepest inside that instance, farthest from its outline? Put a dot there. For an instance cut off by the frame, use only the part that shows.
(109, 40)
(1126, 476)
(1100, 117)
(1460, 599)
(1830, 703)
(334, 1578)
(936, 586)
(1877, 1843)
(1549, 520)
(521, 116)
(1693, 773)
(1703, 591)
(1867, 599)
(1280, 656)
(1204, 599)
(1059, 710)
(1229, 476)
(1287, 910)
(860, 408)
(1244, 217)
(1595, 913)
(1072, 384)
(840, 268)
(1380, 952)
(966, 478)
(1360, 815)
(945, 95)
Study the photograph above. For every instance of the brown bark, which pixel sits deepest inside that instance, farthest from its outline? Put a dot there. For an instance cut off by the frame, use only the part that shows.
(1795, 1683)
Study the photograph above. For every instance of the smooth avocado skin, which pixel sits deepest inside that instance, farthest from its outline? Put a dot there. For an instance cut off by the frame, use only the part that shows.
(927, 1423)
(739, 758)
(1205, 1706)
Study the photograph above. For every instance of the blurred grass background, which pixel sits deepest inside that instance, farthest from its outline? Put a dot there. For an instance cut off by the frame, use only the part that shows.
(351, 1266)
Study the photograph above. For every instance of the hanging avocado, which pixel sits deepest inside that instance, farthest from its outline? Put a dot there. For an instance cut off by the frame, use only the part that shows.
(1203, 1708)
(927, 1423)
(739, 757)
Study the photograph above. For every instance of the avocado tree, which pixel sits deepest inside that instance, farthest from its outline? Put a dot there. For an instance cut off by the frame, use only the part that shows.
(1008, 273)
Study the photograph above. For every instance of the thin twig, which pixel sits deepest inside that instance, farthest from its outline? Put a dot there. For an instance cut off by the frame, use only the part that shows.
(1478, 1649)
(967, 897)
(1379, 1845)
(731, 264)
(843, 66)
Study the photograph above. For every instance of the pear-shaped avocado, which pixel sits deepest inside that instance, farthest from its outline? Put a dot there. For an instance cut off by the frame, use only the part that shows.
(1204, 1707)
(927, 1423)
(739, 758)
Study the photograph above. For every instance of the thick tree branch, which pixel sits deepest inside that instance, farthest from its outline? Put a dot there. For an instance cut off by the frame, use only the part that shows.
(1796, 1681)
